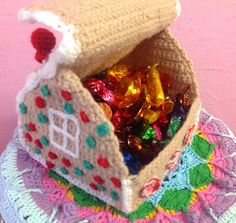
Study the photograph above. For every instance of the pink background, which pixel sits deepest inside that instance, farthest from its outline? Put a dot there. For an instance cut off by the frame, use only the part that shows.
(206, 29)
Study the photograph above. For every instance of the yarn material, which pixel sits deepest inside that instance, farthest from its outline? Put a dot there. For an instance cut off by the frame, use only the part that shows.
(158, 17)
(68, 81)
(209, 204)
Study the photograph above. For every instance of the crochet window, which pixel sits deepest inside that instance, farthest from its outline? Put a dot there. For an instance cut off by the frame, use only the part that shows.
(64, 132)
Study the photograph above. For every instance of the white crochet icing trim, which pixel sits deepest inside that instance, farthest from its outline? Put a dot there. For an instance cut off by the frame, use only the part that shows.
(127, 195)
(178, 8)
(66, 53)
(64, 131)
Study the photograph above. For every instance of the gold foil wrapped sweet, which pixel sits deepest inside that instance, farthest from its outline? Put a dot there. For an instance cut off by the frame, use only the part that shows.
(154, 91)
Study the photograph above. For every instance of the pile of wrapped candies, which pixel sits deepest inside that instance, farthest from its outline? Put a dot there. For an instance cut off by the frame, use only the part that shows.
(136, 101)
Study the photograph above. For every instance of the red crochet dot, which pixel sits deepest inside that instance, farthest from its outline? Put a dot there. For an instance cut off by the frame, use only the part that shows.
(52, 155)
(40, 56)
(49, 164)
(32, 127)
(116, 182)
(66, 95)
(102, 162)
(93, 186)
(40, 102)
(66, 162)
(28, 137)
(38, 143)
(98, 179)
(84, 117)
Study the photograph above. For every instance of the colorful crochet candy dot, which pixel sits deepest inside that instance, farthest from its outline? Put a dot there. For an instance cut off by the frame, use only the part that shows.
(84, 117)
(176, 200)
(87, 165)
(78, 172)
(37, 150)
(26, 127)
(49, 164)
(28, 137)
(68, 108)
(202, 147)
(44, 141)
(40, 102)
(66, 95)
(38, 143)
(66, 162)
(116, 182)
(103, 162)
(52, 155)
(64, 170)
(200, 176)
(32, 127)
(42, 118)
(102, 129)
(93, 186)
(45, 91)
(100, 187)
(98, 179)
(43, 41)
(114, 196)
(22, 108)
(90, 142)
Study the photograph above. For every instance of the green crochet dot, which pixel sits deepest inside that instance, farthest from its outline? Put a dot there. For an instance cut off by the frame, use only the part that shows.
(22, 108)
(68, 108)
(202, 147)
(44, 141)
(177, 200)
(90, 142)
(100, 187)
(37, 150)
(102, 129)
(26, 127)
(78, 172)
(44, 91)
(87, 165)
(200, 175)
(114, 196)
(64, 170)
(42, 118)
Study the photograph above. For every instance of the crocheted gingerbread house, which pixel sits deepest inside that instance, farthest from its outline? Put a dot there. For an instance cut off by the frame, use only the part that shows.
(62, 126)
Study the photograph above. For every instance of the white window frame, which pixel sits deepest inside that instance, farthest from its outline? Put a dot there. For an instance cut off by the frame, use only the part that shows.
(64, 131)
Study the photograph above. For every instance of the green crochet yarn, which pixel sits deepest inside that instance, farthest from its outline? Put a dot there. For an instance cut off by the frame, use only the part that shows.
(200, 175)
(84, 199)
(68, 107)
(26, 127)
(78, 172)
(202, 147)
(42, 118)
(177, 200)
(114, 196)
(102, 129)
(44, 91)
(64, 170)
(22, 108)
(57, 177)
(37, 150)
(44, 141)
(142, 211)
(87, 165)
(90, 142)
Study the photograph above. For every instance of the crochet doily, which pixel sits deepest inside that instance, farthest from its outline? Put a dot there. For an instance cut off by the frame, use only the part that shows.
(201, 187)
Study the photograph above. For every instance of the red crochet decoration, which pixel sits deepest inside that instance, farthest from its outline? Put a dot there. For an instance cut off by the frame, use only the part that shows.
(43, 41)
(103, 162)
